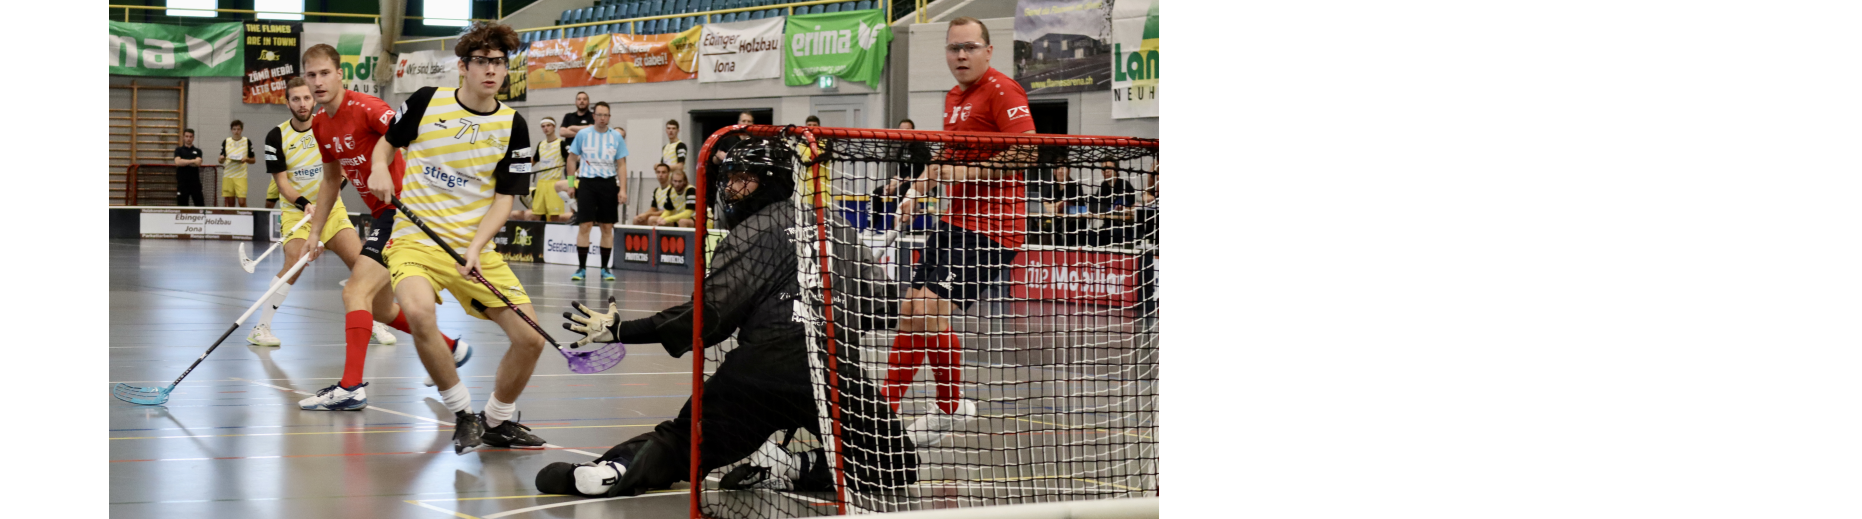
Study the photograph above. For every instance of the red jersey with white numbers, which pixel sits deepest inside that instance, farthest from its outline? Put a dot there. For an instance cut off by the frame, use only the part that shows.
(347, 137)
(996, 207)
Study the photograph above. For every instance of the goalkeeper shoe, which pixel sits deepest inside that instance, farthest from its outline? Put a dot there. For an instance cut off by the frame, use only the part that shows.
(606, 275)
(382, 335)
(510, 435)
(578, 275)
(468, 432)
(262, 335)
(461, 353)
(337, 398)
(593, 479)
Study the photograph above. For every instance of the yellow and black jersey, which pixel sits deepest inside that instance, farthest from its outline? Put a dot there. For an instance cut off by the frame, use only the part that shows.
(295, 153)
(457, 160)
(673, 154)
(550, 163)
(235, 152)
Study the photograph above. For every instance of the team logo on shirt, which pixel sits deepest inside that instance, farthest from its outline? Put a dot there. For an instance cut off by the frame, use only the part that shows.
(1018, 112)
(961, 113)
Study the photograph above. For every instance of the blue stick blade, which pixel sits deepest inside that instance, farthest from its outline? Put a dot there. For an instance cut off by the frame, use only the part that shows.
(141, 395)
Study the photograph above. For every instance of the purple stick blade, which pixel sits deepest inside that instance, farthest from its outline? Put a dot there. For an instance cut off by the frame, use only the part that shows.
(595, 360)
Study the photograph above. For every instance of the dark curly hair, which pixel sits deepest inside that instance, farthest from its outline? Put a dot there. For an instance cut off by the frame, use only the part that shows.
(486, 36)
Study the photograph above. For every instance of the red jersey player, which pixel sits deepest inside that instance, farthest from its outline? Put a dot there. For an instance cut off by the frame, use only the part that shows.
(350, 129)
(979, 234)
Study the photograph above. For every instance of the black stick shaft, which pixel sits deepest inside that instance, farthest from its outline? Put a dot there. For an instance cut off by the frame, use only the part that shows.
(396, 202)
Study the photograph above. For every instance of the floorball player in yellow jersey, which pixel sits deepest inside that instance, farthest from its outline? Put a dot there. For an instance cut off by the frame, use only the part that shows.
(468, 158)
(235, 154)
(546, 201)
(296, 169)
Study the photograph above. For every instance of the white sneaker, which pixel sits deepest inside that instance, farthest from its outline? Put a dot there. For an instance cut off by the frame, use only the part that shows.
(383, 335)
(462, 352)
(335, 398)
(262, 336)
(933, 427)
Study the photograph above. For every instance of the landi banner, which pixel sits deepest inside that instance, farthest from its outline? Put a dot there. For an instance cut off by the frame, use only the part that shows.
(148, 49)
(271, 60)
(567, 62)
(1134, 59)
(360, 46)
(739, 51)
(850, 45)
(1061, 45)
(652, 58)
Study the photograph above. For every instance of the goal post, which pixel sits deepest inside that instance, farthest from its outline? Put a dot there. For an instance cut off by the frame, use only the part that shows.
(989, 337)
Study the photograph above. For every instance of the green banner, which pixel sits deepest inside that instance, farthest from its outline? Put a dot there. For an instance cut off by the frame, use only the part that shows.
(851, 45)
(147, 49)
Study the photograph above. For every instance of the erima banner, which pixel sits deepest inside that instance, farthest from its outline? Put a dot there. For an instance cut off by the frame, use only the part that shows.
(652, 58)
(147, 49)
(1134, 59)
(271, 61)
(1061, 45)
(741, 51)
(568, 62)
(851, 45)
(426, 68)
(360, 46)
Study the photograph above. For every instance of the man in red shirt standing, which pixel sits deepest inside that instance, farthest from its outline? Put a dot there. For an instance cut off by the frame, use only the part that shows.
(351, 129)
(979, 234)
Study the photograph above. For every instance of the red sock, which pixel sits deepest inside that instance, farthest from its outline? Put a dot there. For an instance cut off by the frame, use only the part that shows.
(946, 359)
(902, 365)
(400, 323)
(357, 326)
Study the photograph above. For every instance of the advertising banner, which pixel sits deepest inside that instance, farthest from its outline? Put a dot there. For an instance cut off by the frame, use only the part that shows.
(515, 84)
(652, 58)
(148, 49)
(425, 68)
(271, 61)
(1134, 59)
(567, 63)
(520, 242)
(739, 51)
(1061, 45)
(210, 224)
(673, 248)
(559, 245)
(636, 245)
(850, 45)
(360, 46)
(1077, 276)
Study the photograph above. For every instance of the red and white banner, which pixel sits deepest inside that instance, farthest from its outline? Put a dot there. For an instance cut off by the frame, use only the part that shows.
(1077, 277)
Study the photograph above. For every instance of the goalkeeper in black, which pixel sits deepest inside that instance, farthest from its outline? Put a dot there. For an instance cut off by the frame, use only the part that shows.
(761, 392)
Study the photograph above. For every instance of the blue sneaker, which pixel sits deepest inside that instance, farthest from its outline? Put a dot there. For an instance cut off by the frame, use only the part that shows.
(607, 276)
(337, 398)
(461, 353)
(579, 274)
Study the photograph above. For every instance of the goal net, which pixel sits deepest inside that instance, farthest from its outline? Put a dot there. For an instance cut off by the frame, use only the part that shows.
(993, 342)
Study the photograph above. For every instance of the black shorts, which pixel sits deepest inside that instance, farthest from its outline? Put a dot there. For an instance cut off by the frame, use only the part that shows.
(597, 200)
(958, 263)
(377, 239)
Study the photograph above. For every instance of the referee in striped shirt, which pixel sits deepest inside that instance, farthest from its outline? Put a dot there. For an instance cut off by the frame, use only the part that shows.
(597, 156)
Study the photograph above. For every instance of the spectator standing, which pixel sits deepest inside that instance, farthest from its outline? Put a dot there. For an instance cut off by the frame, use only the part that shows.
(187, 172)
(578, 120)
(235, 154)
(673, 154)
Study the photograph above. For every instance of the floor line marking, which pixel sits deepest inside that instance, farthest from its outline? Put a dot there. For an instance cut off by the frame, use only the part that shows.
(441, 510)
(687, 373)
(655, 493)
(448, 424)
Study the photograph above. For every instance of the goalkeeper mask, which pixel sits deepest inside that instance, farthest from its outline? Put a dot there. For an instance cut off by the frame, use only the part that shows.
(768, 162)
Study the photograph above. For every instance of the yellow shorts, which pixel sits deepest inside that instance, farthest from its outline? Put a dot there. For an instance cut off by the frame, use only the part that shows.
(339, 220)
(407, 259)
(271, 188)
(233, 186)
(547, 201)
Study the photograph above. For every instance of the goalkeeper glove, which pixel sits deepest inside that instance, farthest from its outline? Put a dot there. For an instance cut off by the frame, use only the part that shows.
(594, 326)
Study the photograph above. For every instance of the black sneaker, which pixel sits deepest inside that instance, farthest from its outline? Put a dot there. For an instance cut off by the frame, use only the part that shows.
(467, 428)
(511, 435)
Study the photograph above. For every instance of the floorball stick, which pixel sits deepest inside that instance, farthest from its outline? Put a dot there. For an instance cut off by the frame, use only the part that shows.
(250, 264)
